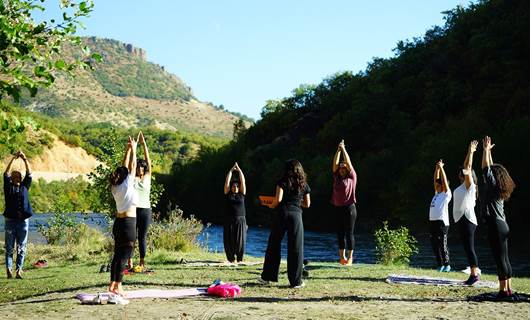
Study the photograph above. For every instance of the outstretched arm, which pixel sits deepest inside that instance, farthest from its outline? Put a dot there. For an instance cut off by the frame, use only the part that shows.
(445, 184)
(468, 164)
(141, 140)
(436, 176)
(132, 159)
(227, 180)
(487, 159)
(8, 168)
(346, 156)
(336, 159)
(242, 182)
(127, 154)
(26, 163)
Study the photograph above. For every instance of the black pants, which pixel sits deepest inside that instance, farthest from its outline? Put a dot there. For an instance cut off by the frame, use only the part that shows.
(439, 242)
(286, 219)
(498, 231)
(124, 232)
(234, 237)
(467, 236)
(143, 220)
(346, 216)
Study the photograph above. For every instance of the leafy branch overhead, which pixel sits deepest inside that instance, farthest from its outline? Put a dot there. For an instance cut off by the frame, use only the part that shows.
(30, 50)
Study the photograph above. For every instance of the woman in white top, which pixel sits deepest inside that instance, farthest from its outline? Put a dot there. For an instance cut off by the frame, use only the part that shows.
(124, 228)
(142, 184)
(464, 210)
(439, 218)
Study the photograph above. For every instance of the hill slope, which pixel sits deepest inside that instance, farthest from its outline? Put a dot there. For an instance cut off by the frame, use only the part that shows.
(128, 91)
(457, 83)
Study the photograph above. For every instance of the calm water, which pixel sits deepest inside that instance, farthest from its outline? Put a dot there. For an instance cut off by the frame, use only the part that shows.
(319, 246)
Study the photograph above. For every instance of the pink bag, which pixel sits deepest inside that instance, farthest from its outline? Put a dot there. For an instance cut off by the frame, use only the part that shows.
(225, 290)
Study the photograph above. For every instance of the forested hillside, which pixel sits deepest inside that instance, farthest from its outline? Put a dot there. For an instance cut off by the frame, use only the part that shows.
(458, 82)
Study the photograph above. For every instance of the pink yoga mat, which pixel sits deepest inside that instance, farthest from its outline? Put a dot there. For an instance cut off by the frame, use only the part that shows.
(148, 293)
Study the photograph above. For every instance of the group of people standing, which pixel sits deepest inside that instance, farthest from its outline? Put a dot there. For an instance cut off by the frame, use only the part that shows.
(497, 187)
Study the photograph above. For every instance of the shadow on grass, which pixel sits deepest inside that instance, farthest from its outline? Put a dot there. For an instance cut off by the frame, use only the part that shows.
(343, 298)
(368, 279)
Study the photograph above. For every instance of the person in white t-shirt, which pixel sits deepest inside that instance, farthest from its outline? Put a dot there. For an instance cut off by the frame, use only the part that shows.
(124, 228)
(439, 218)
(465, 197)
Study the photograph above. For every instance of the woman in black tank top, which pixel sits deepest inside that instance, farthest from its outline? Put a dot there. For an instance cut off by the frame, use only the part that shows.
(235, 224)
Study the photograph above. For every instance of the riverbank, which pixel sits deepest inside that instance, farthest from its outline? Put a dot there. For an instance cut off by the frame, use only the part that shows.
(332, 292)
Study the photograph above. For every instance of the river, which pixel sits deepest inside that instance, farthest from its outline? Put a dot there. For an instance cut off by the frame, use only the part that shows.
(320, 246)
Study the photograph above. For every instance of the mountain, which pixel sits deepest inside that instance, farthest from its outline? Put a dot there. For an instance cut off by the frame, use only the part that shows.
(126, 90)
(458, 82)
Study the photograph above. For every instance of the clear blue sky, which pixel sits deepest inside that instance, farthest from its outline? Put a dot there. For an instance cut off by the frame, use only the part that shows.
(240, 53)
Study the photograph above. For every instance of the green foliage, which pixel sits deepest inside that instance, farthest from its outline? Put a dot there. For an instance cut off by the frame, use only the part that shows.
(394, 246)
(459, 82)
(31, 50)
(62, 229)
(72, 195)
(174, 232)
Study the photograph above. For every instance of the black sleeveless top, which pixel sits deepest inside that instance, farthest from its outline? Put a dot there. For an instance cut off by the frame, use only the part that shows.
(235, 205)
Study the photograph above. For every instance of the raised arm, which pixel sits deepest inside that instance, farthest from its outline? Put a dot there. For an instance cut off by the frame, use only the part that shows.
(277, 198)
(468, 164)
(127, 154)
(487, 159)
(26, 163)
(346, 156)
(336, 159)
(436, 176)
(227, 180)
(132, 159)
(141, 140)
(445, 184)
(8, 168)
(242, 182)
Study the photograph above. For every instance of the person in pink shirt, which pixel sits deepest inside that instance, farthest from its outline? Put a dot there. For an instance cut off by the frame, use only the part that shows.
(343, 201)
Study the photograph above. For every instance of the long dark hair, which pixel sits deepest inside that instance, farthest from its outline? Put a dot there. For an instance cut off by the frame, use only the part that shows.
(118, 176)
(294, 175)
(505, 184)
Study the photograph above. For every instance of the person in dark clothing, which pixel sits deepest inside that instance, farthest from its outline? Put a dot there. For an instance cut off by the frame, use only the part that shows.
(343, 201)
(292, 194)
(124, 228)
(497, 187)
(16, 214)
(235, 224)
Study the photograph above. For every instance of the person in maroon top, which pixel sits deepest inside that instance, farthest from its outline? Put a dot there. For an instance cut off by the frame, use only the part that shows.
(343, 201)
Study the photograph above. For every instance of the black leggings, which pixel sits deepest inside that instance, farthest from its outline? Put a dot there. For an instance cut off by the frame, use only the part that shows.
(124, 232)
(290, 220)
(467, 236)
(346, 216)
(234, 237)
(498, 231)
(143, 220)
(439, 242)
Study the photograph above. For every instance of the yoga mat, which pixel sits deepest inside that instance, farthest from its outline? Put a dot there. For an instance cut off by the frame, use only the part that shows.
(429, 281)
(148, 293)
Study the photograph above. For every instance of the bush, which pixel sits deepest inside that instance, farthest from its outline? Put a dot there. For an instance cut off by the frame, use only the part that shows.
(394, 246)
(174, 233)
(61, 229)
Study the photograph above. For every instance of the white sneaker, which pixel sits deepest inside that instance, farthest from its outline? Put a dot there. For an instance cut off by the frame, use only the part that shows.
(301, 285)
(117, 299)
(261, 281)
(97, 299)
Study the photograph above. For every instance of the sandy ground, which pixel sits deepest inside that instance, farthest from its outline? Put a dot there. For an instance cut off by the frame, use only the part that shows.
(291, 306)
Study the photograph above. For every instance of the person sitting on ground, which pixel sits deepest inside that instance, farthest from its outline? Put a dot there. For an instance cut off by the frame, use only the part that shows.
(439, 218)
(124, 228)
(343, 201)
(235, 224)
(142, 184)
(16, 214)
(464, 211)
(496, 189)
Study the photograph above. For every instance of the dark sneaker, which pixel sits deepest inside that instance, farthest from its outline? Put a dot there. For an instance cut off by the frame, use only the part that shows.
(19, 274)
(472, 280)
(9, 274)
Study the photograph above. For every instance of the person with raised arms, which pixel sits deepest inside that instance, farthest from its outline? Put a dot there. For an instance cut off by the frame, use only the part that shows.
(464, 199)
(124, 228)
(343, 201)
(292, 194)
(439, 218)
(235, 223)
(496, 189)
(16, 214)
(142, 184)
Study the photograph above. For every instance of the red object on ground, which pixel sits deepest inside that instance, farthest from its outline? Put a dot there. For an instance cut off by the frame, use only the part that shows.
(225, 290)
(40, 264)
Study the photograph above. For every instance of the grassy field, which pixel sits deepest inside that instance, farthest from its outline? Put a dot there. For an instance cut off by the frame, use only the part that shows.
(332, 292)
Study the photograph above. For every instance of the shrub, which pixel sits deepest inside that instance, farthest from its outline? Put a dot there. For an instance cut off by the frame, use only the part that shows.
(61, 229)
(394, 246)
(174, 232)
